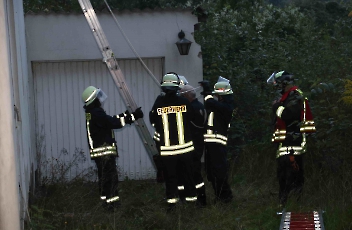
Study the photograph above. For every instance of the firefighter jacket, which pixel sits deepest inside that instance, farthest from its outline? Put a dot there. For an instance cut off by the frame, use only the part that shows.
(198, 125)
(294, 120)
(171, 116)
(100, 131)
(219, 118)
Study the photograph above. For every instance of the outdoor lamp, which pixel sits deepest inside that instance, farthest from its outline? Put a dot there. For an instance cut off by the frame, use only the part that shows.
(183, 44)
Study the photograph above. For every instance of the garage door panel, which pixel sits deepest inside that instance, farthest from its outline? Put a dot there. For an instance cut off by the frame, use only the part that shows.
(60, 116)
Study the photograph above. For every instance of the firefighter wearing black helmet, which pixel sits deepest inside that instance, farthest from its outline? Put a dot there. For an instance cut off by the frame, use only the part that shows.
(293, 120)
(219, 117)
(170, 116)
(102, 144)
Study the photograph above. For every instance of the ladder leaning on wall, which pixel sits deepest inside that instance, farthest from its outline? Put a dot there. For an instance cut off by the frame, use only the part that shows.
(117, 75)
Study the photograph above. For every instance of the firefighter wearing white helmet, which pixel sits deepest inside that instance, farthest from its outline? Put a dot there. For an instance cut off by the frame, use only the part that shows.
(170, 116)
(219, 117)
(197, 130)
(292, 120)
(101, 141)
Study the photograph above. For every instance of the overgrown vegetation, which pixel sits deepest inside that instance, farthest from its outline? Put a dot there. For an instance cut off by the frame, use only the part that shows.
(245, 41)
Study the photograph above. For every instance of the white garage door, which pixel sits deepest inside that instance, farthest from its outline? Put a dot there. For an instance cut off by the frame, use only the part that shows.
(60, 118)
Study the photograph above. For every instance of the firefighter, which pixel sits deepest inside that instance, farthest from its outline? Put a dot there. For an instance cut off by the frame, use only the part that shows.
(197, 130)
(102, 144)
(293, 121)
(219, 113)
(170, 116)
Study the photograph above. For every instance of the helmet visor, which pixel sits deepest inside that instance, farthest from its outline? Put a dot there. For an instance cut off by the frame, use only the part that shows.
(271, 80)
(222, 79)
(101, 96)
(183, 80)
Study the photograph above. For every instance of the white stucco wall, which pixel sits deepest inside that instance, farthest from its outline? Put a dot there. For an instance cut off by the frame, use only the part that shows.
(152, 33)
(16, 147)
(62, 38)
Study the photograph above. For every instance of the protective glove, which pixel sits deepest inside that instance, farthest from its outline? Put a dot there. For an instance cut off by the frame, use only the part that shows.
(128, 117)
(294, 164)
(206, 87)
(138, 113)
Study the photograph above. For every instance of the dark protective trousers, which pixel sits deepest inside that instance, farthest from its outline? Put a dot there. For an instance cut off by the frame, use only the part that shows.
(107, 176)
(290, 178)
(216, 167)
(197, 178)
(176, 168)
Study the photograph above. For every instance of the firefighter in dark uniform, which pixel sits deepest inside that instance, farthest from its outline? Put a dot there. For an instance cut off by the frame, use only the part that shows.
(219, 113)
(170, 116)
(293, 121)
(102, 144)
(197, 130)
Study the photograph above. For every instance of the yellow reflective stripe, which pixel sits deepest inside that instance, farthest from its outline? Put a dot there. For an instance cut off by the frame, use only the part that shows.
(298, 150)
(180, 131)
(112, 199)
(176, 152)
(304, 110)
(174, 147)
(211, 119)
(103, 197)
(199, 185)
(132, 117)
(279, 111)
(212, 140)
(208, 97)
(156, 136)
(172, 201)
(288, 148)
(218, 136)
(191, 199)
(90, 96)
(90, 140)
(181, 187)
(103, 148)
(279, 135)
(166, 129)
(122, 121)
(280, 131)
(103, 154)
(303, 129)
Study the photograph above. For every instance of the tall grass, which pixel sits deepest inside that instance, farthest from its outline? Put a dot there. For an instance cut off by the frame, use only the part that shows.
(76, 205)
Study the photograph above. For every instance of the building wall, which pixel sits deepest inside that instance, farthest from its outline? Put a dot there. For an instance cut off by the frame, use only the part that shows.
(15, 143)
(152, 34)
(58, 42)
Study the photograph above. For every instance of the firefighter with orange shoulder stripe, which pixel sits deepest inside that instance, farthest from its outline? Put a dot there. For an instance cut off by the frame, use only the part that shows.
(215, 138)
(293, 121)
(170, 116)
(102, 144)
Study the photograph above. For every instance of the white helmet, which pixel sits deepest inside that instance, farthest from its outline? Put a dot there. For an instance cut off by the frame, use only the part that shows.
(91, 93)
(222, 87)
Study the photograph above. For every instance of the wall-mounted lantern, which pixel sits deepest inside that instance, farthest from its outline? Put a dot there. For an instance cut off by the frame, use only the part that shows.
(183, 44)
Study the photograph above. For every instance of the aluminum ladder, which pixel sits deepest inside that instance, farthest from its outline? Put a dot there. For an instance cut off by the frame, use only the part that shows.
(301, 220)
(117, 75)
